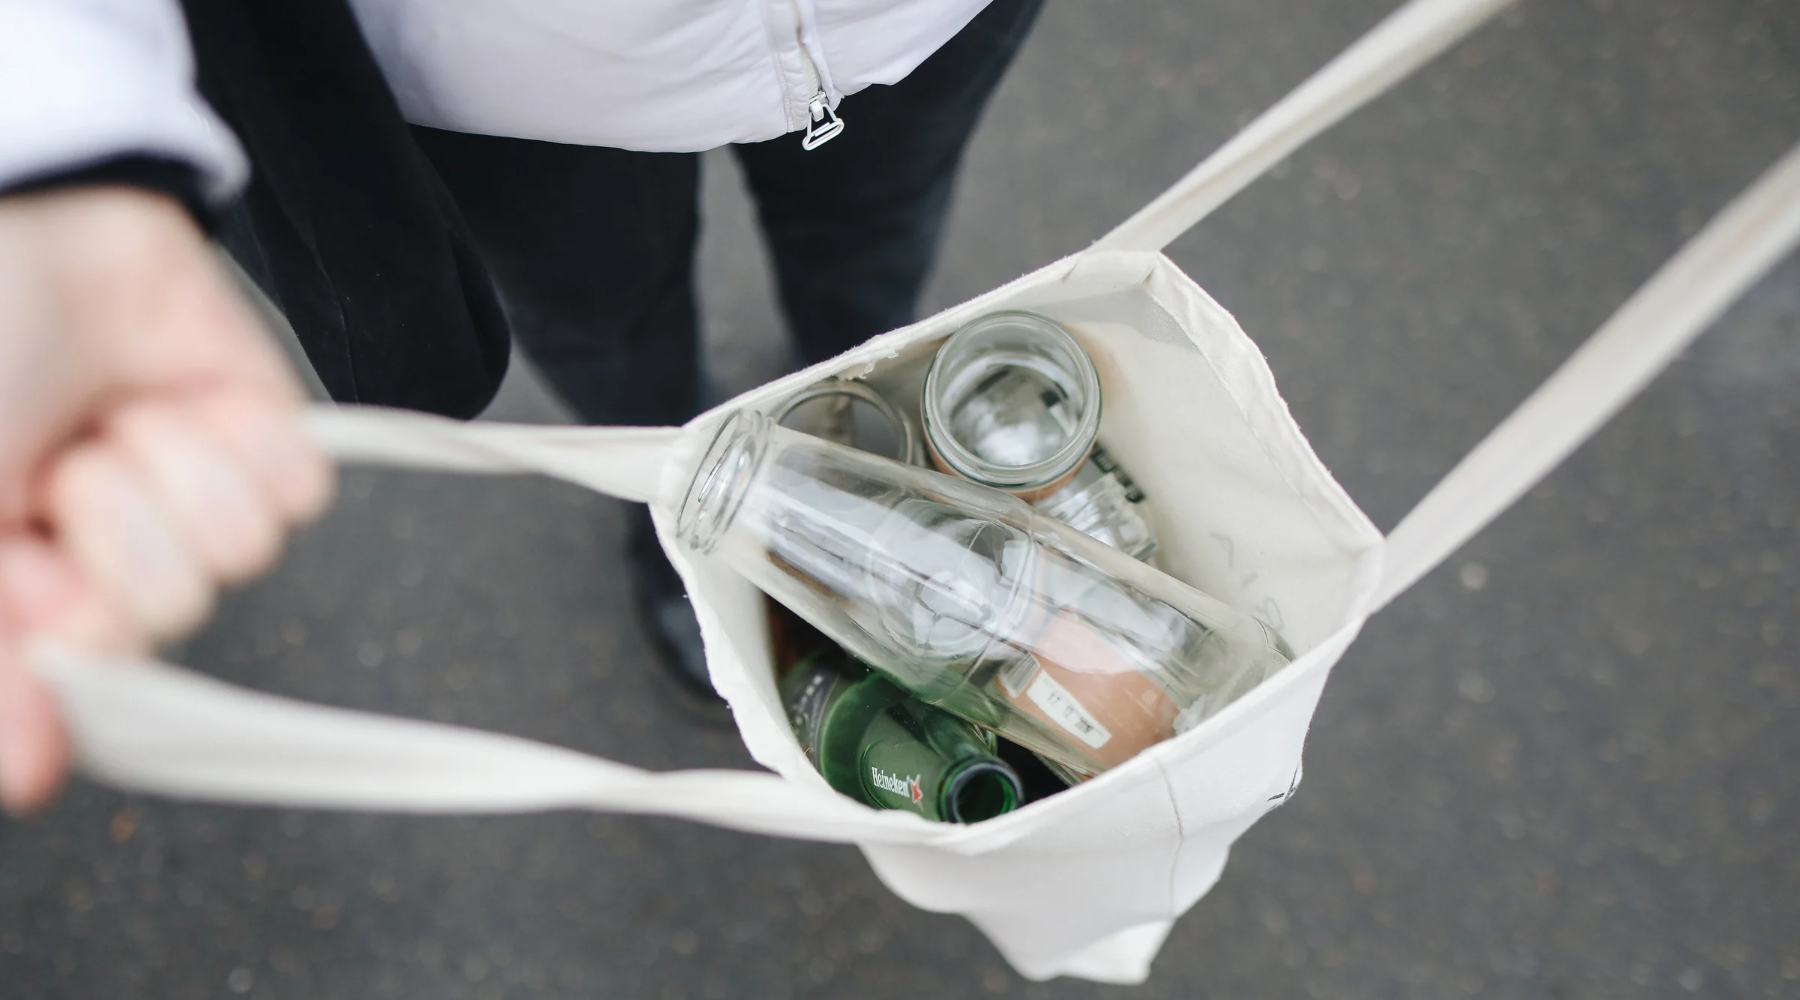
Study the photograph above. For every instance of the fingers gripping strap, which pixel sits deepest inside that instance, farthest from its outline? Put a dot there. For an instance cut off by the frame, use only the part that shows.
(155, 728)
(159, 729)
(1406, 40)
(624, 462)
(1749, 237)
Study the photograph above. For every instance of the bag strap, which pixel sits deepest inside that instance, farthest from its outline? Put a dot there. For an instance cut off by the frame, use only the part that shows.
(1407, 39)
(625, 462)
(154, 728)
(1741, 244)
(151, 727)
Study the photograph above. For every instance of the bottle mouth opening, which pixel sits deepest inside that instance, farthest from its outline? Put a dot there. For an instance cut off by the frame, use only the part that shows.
(969, 364)
(721, 480)
(981, 790)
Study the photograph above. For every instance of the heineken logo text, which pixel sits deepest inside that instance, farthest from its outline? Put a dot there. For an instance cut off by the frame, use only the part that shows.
(908, 787)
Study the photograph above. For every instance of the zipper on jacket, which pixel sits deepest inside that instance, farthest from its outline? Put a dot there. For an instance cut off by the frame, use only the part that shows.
(822, 123)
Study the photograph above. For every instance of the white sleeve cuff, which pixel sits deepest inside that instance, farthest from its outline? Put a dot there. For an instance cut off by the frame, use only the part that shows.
(82, 81)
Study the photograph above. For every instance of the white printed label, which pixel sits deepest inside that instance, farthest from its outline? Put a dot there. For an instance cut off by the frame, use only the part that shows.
(1065, 711)
(898, 784)
(1017, 674)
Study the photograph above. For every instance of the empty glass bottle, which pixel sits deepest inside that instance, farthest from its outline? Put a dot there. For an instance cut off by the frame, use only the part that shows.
(1013, 401)
(970, 599)
(879, 745)
(1101, 502)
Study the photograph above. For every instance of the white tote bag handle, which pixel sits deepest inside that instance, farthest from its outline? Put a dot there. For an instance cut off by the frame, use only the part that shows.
(1407, 39)
(1741, 244)
(156, 728)
(1640, 339)
(153, 728)
(625, 462)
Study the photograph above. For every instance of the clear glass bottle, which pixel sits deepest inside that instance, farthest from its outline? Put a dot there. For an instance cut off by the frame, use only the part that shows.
(972, 600)
(879, 745)
(1013, 401)
(1101, 502)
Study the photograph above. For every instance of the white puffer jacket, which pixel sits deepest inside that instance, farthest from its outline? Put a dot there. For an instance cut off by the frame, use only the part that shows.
(82, 80)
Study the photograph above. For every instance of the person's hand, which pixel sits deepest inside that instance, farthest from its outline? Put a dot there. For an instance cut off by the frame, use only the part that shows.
(151, 447)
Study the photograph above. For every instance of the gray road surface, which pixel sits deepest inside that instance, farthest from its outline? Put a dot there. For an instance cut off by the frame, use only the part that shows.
(1567, 765)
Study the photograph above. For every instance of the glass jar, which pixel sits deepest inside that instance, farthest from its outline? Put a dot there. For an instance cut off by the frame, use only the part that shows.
(850, 413)
(970, 599)
(1013, 401)
(1101, 502)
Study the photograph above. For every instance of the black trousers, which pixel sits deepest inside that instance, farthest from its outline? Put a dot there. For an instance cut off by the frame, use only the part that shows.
(405, 257)
(593, 249)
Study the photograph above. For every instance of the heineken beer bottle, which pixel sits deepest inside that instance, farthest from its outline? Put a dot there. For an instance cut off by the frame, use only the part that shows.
(877, 744)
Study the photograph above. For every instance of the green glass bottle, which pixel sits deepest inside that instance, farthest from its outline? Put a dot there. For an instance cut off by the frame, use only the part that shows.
(877, 744)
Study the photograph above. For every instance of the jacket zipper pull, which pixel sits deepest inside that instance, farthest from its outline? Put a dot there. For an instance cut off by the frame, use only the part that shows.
(825, 124)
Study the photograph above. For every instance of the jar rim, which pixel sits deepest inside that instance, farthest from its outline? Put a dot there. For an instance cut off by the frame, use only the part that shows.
(967, 343)
(853, 389)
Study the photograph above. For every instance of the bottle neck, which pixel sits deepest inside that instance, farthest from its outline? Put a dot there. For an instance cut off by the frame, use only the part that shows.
(976, 789)
(722, 480)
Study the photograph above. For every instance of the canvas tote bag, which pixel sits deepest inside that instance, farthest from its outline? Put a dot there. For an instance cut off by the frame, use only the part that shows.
(1087, 882)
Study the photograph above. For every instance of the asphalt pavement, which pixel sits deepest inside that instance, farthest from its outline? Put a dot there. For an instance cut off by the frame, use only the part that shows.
(1566, 765)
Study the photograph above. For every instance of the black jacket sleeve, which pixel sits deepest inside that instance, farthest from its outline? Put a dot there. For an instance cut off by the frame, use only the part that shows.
(177, 179)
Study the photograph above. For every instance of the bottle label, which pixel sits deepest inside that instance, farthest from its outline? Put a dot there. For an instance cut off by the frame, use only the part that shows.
(1017, 676)
(1104, 461)
(1065, 711)
(900, 769)
(1078, 683)
(907, 787)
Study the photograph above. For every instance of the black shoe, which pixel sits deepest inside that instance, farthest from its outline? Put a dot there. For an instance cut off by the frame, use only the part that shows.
(664, 611)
